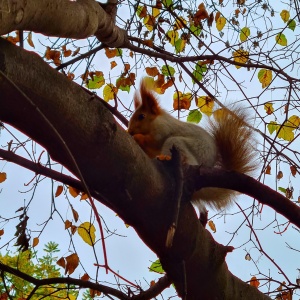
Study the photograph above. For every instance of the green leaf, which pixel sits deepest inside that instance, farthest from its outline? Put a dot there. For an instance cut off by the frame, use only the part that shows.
(281, 39)
(291, 24)
(245, 32)
(96, 83)
(156, 267)
(167, 70)
(196, 30)
(199, 71)
(167, 3)
(194, 116)
(272, 126)
(281, 189)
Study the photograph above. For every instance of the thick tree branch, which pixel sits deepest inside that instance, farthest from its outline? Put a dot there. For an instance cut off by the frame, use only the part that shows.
(62, 18)
(137, 188)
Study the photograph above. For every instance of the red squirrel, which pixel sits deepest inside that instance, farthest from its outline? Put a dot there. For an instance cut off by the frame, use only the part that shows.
(226, 143)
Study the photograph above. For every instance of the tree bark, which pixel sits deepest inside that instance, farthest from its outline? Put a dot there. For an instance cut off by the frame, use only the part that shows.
(63, 118)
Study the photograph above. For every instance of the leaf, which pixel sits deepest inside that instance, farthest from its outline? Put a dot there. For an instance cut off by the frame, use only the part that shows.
(285, 131)
(293, 170)
(87, 232)
(59, 190)
(279, 175)
(180, 23)
(109, 92)
(221, 22)
(212, 226)
(113, 64)
(194, 116)
(2, 176)
(110, 53)
(61, 262)
(281, 39)
(182, 101)
(268, 170)
(180, 45)
(149, 22)
(269, 108)
(265, 77)
(291, 24)
(245, 32)
(281, 189)
(84, 196)
(199, 71)
(72, 263)
(196, 30)
(97, 81)
(285, 15)
(68, 224)
(172, 36)
(85, 277)
(152, 71)
(141, 11)
(29, 40)
(240, 56)
(155, 12)
(157, 267)
(75, 214)
(254, 282)
(1, 232)
(73, 191)
(272, 126)
(35, 241)
(248, 257)
(205, 104)
(167, 70)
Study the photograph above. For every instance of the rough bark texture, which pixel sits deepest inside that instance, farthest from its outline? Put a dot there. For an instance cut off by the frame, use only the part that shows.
(138, 189)
(72, 19)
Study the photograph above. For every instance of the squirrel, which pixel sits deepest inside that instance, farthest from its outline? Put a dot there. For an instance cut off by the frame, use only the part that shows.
(226, 142)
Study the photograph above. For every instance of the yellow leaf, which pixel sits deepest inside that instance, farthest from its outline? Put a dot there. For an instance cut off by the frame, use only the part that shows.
(155, 12)
(58, 190)
(149, 22)
(281, 39)
(182, 101)
(220, 23)
(294, 121)
(245, 32)
(73, 191)
(72, 263)
(35, 241)
(285, 15)
(269, 108)
(172, 36)
(2, 176)
(109, 92)
(265, 77)
(87, 232)
(180, 23)
(285, 132)
(240, 56)
(212, 226)
(205, 104)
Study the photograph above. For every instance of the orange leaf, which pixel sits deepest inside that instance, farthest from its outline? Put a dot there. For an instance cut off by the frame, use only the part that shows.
(218, 15)
(72, 263)
(212, 226)
(85, 277)
(73, 229)
(84, 196)
(73, 191)
(75, 214)
(58, 190)
(110, 53)
(68, 224)
(268, 170)
(152, 71)
(29, 40)
(293, 170)
(279, 175)
(76, 51)
(61, 262)
(1, 232)
(254, 282)
(2, 176)
(35, 241)
(113, 64)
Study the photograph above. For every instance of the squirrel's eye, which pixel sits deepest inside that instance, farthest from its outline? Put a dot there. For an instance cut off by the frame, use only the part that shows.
(141, 117)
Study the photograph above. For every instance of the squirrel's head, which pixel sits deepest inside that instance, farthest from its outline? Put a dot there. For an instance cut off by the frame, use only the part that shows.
(146, 110)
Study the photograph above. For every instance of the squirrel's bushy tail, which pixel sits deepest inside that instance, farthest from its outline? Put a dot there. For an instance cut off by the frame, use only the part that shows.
(236, 150)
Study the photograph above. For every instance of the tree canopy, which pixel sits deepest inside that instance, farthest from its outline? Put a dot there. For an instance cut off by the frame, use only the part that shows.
(68, 72)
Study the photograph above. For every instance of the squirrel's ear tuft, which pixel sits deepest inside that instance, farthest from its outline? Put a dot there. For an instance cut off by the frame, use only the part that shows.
(149, 101)
(136, 100)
